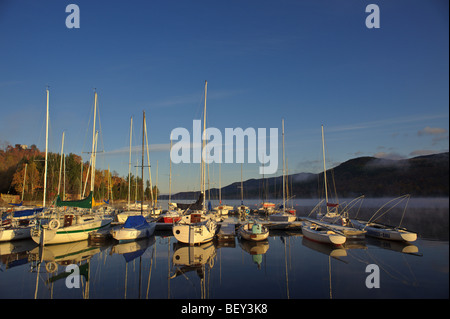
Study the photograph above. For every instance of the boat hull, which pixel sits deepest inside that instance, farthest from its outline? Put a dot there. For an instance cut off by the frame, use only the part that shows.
(315, 233)
(383, 232)
(129, 234)
(194, 229)
(68, 234)
(169, 217)
(15, 233)
(246, 233)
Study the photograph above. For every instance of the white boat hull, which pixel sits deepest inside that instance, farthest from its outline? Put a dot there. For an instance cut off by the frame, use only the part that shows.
(192, 232)
(384, 232)
(128, 234)
(68, 234)
(15, 233)
(246, 232)
(322, 235)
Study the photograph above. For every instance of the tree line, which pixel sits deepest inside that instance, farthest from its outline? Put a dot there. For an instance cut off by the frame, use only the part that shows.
(22, 173)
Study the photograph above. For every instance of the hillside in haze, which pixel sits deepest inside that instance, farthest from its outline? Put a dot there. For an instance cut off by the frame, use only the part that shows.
(423, 176)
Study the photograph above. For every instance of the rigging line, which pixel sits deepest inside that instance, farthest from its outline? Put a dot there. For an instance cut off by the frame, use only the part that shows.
(100, 124)
(404, 210)
(400, 199)
(334, 186)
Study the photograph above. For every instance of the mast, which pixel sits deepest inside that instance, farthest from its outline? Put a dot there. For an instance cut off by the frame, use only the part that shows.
(156, 184)
(170, 174)
(324, 170)
(129, 165)
(64, 176)
(284, 173)
(203, 148)
(93, 162)
(46, 152)
(81, 179)
(148, 161)
(242, 188)
(142, 167)
(93, 145)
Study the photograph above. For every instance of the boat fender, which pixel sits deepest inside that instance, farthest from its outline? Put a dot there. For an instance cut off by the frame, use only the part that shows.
(54, 224)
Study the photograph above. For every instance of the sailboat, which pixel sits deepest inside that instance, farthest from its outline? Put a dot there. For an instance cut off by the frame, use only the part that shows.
(378, 230)
(136, 226)
(319, 233)
(332, 215)
(331, 227)
(253, 231)
(200, 226)
(283, 215)
(132, 209)
(73, 225)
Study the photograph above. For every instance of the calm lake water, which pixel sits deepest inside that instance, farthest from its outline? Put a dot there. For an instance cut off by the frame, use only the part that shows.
(286, 266)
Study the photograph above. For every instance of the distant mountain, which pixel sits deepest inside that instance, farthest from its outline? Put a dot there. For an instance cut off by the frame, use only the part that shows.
(422, 176)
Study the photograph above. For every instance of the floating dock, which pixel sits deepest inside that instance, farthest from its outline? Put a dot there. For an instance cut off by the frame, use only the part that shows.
(227, 231)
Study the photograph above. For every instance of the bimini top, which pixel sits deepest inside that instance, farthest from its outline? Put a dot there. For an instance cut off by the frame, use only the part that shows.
(135, 221)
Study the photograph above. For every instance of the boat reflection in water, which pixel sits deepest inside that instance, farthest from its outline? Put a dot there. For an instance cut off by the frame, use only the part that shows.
(256, 249)
(199, 259)
(294, 267)
(133, 249)
(15, 253)
(193, 258)
(55, 259)
(130, 251)
(398, 246)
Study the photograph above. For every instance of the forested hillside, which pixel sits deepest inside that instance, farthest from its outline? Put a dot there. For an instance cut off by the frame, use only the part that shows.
(14, 161)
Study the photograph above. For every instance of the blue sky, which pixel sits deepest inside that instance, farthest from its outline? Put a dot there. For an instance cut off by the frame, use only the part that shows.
(378, 92)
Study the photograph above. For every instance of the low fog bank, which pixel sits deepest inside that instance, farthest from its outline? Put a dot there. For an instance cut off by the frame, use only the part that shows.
(429, 217)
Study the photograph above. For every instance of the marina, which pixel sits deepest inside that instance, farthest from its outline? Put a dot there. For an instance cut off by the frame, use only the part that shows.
(286, 265)
(230, 151)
